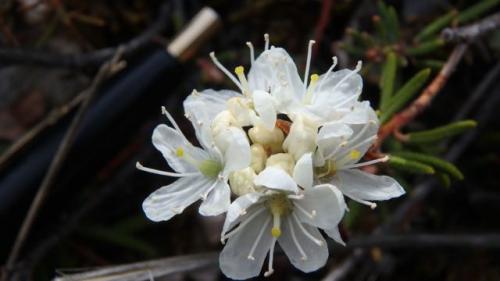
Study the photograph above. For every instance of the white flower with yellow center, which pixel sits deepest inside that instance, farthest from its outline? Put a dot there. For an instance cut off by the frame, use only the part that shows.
(202, 173)
(283, 214)
(341, 145)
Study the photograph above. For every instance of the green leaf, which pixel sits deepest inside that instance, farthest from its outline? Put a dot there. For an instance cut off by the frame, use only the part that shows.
(387, 79)
(436, 26)
(425, 48)
(405, 94)
(444, 179)
(393, 23)
(442, 132)
(476, 10)
(362, 39)
(411, 166)
(436, 162)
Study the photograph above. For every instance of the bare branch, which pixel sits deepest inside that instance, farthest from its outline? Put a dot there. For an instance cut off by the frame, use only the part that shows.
(469, 33)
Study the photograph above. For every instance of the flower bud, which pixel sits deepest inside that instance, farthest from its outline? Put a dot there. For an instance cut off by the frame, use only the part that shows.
(302, 137)
(259, 157)
(270, 140)
(221, 123)
(281, 160)
(241, 182)
(241, 110)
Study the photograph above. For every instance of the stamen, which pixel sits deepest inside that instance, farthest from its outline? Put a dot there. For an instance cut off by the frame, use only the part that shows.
(310, 89)
(341, 145)
(308, 62)
(362, 131)
(163, 173)
(327, 74)
(270, 269)
(295, 196)
(252, 53)
(241, 225)
(171, 119)
(311, 215)
(223, 69)
(240, 72)
(356, 70)
(306, 233)
(257, 240)
(295, 241)
(266, 40)
(367, 163)
(372, 205)
(356, 146)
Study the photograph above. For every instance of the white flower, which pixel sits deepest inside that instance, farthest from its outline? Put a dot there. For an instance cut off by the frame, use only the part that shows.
(340, 147)
(202, 173)
(256, 221)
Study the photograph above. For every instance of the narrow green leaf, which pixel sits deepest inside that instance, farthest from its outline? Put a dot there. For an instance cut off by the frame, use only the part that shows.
(444, 179)
(410, 165)
(405, 94)
(360, 38)
(476, 10)
(425, 47)
(434, 64)
(381, 22)
(436, 26)
(442, 132)
(436, 162)
(387, 79)
(393, 23)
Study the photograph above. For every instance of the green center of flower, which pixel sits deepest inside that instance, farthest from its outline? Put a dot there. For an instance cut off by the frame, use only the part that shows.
(208, 168)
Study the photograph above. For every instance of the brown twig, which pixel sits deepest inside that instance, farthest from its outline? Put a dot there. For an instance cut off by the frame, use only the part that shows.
(107, 70)
(324, 20)
(424, 100)
(470, 32)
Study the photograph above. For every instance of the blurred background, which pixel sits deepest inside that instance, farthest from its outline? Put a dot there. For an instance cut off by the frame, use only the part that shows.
(447, 157)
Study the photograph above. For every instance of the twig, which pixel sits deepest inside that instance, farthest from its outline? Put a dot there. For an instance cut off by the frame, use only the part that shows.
(107, 69)
(324, 20)
(470, 32)
(146, 270)
(424, 100)
(491, 241)
(34, 132)
(405, 212)
(94, 58)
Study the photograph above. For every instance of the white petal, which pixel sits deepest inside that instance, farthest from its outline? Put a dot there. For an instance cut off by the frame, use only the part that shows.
(334, 233)
(218, 200)
(202, 107)
(325, 202)
(264, 106)
(167, 140)
(357, 184)
(172, 199)
(274, 69)
(234, 261)
(331, 93)
(238, 209)
(316, 256)
(276, 178)
(237, 155)
(303, 171)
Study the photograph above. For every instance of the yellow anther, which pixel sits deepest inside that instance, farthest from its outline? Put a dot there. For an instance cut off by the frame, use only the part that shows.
(314, 77)
(179, 152)
(355, 154)
(276, 232)
(239, 70)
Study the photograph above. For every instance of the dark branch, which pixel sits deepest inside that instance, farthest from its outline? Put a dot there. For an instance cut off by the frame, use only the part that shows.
(91, 59)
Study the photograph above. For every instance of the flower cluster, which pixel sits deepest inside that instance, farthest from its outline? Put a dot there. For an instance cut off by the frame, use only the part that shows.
(287, 150)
